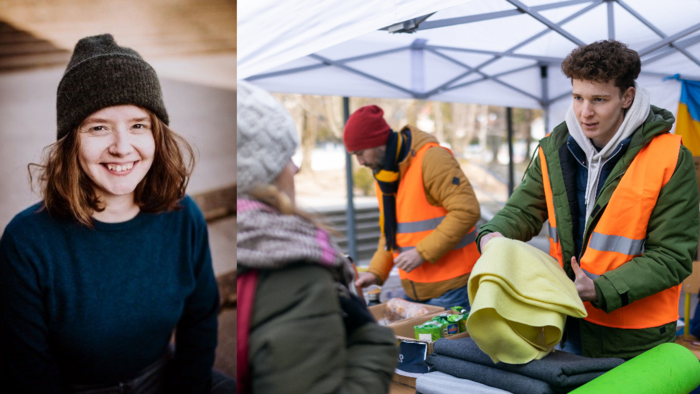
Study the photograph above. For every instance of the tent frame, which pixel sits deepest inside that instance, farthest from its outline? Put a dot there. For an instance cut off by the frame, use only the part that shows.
(666, 46)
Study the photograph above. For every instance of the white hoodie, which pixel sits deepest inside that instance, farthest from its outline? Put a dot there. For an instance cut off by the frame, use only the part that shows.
(635, 116)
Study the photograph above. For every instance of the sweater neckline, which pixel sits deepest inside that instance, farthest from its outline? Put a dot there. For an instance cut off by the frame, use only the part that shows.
(120, 226)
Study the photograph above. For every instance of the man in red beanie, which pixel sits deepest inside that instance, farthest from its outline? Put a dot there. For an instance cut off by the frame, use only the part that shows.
(428, 210)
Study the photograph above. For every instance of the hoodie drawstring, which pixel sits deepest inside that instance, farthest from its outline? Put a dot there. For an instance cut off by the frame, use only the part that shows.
(592, 182)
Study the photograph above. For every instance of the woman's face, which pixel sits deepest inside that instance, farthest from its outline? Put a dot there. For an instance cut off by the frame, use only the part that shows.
(116, 149)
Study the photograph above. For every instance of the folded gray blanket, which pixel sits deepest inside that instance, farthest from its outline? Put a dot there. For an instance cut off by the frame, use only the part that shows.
(559, 369)
(493, 377)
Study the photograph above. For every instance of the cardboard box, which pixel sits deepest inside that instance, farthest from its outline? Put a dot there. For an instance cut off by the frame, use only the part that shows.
(377, 311)
(405, 337)
(403, 330)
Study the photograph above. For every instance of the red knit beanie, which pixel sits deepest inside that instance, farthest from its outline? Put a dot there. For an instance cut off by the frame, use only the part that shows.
(366, 129)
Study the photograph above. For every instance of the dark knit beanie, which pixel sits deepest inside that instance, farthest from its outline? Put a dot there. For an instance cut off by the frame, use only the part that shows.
(366, 129)
(102, 74)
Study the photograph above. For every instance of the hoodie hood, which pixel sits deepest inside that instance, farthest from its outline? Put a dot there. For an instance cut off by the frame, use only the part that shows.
(635, 116)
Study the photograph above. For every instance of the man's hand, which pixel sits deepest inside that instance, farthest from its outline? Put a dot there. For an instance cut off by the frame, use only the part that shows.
(409, 260)
(584, 284)
(486, 238)
(365, 279)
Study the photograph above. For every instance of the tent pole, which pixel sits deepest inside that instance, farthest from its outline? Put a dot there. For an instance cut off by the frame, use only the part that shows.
(511, 169)
(350, 212)
(611, 21)
(545, 97)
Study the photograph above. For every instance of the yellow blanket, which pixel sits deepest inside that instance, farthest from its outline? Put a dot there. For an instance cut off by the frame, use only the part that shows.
(520, 297)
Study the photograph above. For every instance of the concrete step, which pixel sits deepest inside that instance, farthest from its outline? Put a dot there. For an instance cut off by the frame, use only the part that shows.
(367, 231)
(33, 61)
(363, 215)
(27, 47)
(34, 35)
(20, 49)
(359, 227)
(361, 237)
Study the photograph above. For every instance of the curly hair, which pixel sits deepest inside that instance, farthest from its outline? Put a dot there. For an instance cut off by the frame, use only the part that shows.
(68, 192)
(603, 61)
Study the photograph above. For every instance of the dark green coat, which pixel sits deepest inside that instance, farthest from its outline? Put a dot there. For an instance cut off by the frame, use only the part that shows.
(672, 234)
(298, 342)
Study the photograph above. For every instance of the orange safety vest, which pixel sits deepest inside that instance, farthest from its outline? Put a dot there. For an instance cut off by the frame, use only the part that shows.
(416, 218)
(554, 245)
(620, 233)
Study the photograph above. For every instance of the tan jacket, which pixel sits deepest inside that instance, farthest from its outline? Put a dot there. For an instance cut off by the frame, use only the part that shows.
(439, 170)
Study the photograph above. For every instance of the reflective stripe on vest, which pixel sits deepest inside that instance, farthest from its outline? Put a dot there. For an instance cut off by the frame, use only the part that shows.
(418, 226)
(616, 243)
(554, 245)
(620, 234)
(466, 241)
(416, 219)
(553, 232)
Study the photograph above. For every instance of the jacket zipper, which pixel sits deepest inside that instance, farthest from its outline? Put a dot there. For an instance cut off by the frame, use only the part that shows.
(414, 291)
(619, 148)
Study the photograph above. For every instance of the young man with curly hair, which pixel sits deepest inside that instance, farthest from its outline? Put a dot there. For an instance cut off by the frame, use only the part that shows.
(621, 198)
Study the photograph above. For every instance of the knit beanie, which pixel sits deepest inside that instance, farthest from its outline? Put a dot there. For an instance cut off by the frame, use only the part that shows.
(102, 74)
(266, 137)
(366, 129)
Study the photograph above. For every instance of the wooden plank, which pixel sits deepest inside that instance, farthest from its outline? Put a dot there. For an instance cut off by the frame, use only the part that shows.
(691, 284)
(691, 343)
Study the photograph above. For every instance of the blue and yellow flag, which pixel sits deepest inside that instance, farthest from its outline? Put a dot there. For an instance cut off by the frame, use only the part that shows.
(688, 118)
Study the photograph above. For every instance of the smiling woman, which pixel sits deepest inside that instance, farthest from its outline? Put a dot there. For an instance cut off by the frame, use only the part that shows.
(129, 161)
(96, 278)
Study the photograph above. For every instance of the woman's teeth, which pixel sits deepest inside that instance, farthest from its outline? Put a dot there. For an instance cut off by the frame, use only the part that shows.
(120, 168)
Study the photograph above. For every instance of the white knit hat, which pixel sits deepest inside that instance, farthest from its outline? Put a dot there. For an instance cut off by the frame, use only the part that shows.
(266, 137)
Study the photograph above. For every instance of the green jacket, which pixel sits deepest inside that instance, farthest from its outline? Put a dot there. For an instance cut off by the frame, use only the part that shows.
(298, 342)
(672, 234)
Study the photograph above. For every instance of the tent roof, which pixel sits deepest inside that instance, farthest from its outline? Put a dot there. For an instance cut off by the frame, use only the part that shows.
(500, 52)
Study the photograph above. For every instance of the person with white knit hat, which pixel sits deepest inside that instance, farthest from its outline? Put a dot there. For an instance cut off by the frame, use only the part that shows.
(621, 197)
(300, 327)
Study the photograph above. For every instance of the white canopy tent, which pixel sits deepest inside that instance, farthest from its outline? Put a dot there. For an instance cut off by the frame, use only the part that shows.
(497, 52)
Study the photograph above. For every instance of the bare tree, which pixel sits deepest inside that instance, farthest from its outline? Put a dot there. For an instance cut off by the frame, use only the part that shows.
(464, 122)
(439, 124)
(334, 116)
(308, 140)
(483, 117)
(412, 112)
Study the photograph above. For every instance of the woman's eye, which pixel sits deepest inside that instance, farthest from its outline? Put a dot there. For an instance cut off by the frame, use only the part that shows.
(97, 128)
(140, 126)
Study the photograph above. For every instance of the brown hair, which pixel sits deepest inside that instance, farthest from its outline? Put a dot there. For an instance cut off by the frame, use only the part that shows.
(603, 61)
(68, 192)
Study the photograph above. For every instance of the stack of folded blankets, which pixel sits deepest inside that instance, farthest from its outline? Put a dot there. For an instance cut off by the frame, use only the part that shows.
(462, 367)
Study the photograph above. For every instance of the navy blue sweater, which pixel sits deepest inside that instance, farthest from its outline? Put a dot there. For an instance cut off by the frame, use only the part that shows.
(97, 306)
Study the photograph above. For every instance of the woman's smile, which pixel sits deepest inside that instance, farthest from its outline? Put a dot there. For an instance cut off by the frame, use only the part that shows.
(120, 169)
